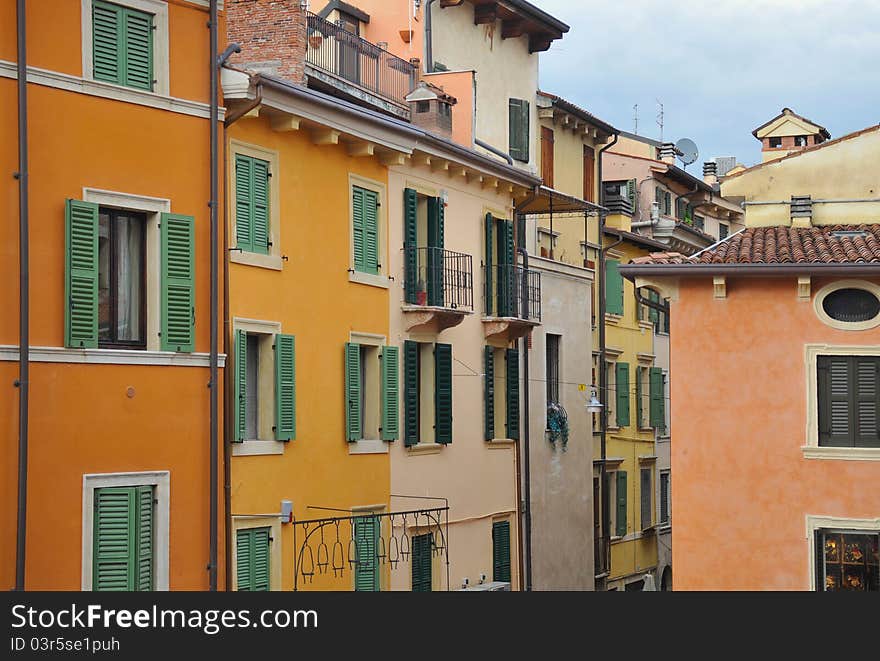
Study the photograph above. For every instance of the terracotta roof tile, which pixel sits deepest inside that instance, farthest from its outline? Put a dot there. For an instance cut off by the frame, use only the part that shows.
(785, 245)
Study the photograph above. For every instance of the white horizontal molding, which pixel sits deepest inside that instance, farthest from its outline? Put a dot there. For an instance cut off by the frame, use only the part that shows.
(64, 81)
(111, 356)
(846, 454)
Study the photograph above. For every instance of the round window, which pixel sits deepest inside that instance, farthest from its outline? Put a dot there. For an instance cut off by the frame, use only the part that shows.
(851, 305)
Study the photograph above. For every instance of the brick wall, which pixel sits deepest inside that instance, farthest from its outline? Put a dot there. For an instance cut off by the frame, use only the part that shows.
(272, 35)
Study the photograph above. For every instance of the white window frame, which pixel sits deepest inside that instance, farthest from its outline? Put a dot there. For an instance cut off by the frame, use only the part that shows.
(161, 481)
(381, 278)
(371, 445)
(159, 10)
(273, 260)
(271, 521)
(814, 523)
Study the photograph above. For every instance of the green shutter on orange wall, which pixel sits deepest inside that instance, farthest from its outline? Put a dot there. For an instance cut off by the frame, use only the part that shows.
(123, 539)
(240, 395)
(390, 393)
(622, 384)
(177, 275)
(443, 393)
(122, 45)
(81, 275)
(285, 387)
(353, 411)
(365, 229)
(252, 559)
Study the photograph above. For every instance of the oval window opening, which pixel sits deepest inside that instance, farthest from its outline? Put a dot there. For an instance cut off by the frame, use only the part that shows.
(851, 305)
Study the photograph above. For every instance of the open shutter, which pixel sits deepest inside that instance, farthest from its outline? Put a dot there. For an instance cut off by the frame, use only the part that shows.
(390, 393)
(81, 275)
(410, 392)
(631, 193)
(501, 551)
(144, 532)
(285, 387)
(489, 288)
(489, 393)
(620, 519)
(260, 209)
(371, 232)
(518, 123)
(240, 394)
(435, 251)
(622, 394)
(366, 536)
(107, 42)
(410, 247)
(353, 391)
(443, 393)
(138, 49)
(506, 284)
(867, 400)
(639, 411)
(113, 567)
(512, 394)
(658, 401)
(613, 287)
(178, 282)
(244, 204)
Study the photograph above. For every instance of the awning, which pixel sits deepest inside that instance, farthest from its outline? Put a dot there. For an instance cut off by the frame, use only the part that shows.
(548, 200)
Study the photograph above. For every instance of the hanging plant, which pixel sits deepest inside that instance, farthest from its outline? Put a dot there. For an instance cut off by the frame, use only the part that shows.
(557, 424)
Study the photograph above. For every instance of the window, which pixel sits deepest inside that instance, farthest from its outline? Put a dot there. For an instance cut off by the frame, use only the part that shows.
(422, 561)
(427, 392)
(664, 497)
(660, 318)
(723, 231)
(365, 228)
(519, 119)
(553, 368)
(848, 390)
(501, 551)
(252, 559)
(646, 487)
(614, 300)
(423, 246)
(372, 399)
(775, 142)
(122, 255)
(265, 384)
(657, 385)
(617, 480)
(851, 305)
(681, 205)
(499, 268)
(501, 392)
(590, 174)
(800, 141)
(122, 42)
(663, 199)
(423, 106)
(252, 193)
(366, 571)
(547, 155)
(847, 560)
(700, 222)
(622, 391)
(123, 539)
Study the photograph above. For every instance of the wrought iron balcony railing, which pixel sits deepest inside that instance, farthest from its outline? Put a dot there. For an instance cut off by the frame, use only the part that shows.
(509, 289)
(349, 57)
(439, 278)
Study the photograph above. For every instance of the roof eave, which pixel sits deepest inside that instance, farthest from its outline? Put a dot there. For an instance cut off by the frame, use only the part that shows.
(750, 270)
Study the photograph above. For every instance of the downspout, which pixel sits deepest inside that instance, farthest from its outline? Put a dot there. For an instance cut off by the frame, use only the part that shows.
(214, 72)
(429, 47)
(23, 298)
(603, 377)
(527, 496)
(494, 150)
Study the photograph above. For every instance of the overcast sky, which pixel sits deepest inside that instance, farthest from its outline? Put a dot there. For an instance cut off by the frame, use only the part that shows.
(720, 68)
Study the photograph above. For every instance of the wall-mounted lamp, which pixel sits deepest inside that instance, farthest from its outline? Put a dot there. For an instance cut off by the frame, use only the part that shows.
(594, 405)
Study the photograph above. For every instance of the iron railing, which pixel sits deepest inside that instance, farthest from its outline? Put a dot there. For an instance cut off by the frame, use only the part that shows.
(345, 55)
(507, 287)
(439, 278)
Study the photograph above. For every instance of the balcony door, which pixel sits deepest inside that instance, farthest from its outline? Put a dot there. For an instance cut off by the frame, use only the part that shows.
(348, 52)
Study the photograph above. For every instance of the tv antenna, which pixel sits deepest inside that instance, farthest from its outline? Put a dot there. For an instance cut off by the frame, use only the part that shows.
(636, 118)
(660, 118)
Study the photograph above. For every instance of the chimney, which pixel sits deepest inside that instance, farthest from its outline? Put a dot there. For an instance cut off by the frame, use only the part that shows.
(431, 108)
(667, 152)
(801, 211)
(710, 173)
(272, 36)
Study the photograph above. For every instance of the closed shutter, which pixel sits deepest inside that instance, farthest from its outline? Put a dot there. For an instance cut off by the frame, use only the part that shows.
(138, 42)
(240, 395)
(243, 559)
(512, 383)
(443, 393)
(421, 563)
(849, 401)
(390, 393)
(489, 393)
(658, 399)
(244, 202)
(867, 401)
(410, 246)
(435, 251)
(107, 42)
(620, 519)
(645, 497)
(371, 232)
(589, 174)
(252, 559)
(178, 282)
(357, 228)
(518, 123)
(613, 287)
(410, 392)
(285, 387)
(631, 193)
(144, 535)
(81, 275)
(260, 209)
(664, 497)
(547, 155)
(366, 536)
(122, 45)
(489, 287)
(622, 383)
(506, 271)
(501, 551)
(353, 411)
(124, 530)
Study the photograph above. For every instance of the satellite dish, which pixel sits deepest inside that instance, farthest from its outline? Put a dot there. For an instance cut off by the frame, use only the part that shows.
(687, 150)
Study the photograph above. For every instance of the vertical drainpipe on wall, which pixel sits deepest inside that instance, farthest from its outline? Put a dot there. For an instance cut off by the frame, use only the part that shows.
(22, 383)
(527, 496)
(603, 377)
(429, 46)
(214, 72)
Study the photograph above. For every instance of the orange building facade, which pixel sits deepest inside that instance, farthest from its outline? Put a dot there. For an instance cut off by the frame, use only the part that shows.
(118, 467)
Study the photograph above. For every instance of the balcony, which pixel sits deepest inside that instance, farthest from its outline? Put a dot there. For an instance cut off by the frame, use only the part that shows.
(358, 69)
(439, 288)
(511, 301)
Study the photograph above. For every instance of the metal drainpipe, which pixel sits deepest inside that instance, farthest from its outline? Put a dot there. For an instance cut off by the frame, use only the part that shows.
(429, 48)
(24, 298)
(603, 380)
(526, 435)
(214, 72)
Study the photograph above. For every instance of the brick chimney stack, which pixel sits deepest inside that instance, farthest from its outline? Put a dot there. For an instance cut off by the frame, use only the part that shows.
(272, 36)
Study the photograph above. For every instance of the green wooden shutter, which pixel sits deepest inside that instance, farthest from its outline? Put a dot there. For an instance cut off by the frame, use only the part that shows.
(260, 207)
(261, 540)
(410, 392)
(631, 193)
(512, 385)
(240, 394)
(443, 393)
(518, 124)
(244, 202)
(501, 551)
(122, 45)
(622, 387)
(285, 387)
(138, 42)
(357, 228)
(366, 536)
(658, 401)
(113, 567)
(489, 393)
(506, 284)
(390, 393)
(371, 232)
(489, 228)
(421, 563)
(620, 519)
(144, 534)
(639, 411)
(353, 411)
(178, 282)
(252, 559)
(435, 251)
(410, 244)
(613, 287)
(243, 559)
(81, 275)
(866, 376)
